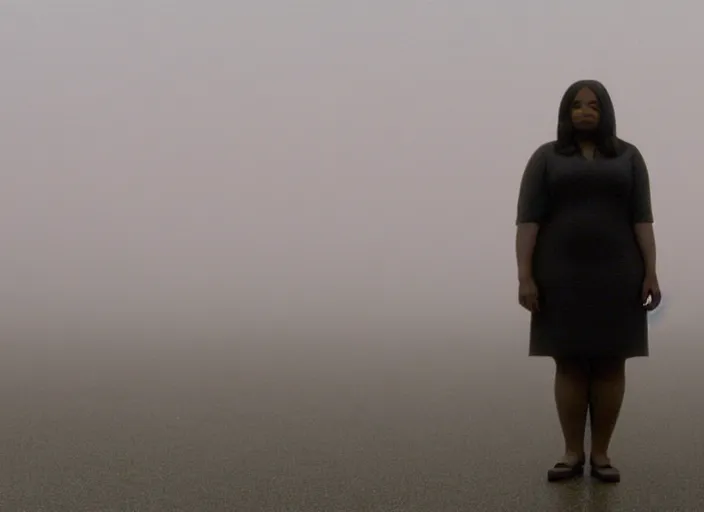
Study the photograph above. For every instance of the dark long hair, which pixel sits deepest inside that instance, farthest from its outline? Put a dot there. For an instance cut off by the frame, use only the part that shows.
(605, 135)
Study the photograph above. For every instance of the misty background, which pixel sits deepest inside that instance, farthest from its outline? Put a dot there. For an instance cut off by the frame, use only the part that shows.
(270, 201)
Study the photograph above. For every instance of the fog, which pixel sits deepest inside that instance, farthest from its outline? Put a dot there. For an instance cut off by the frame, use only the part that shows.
(308, 208)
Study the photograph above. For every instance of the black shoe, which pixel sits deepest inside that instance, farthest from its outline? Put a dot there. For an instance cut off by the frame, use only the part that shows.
(563, 471)
(605, 472)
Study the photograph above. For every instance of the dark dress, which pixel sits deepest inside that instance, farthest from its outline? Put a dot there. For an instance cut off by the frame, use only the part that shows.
(587, 263)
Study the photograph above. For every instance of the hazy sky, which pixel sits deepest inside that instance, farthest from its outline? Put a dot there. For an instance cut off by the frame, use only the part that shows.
(315, 166)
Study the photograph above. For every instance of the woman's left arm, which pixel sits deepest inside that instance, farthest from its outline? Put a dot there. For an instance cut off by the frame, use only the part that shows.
(646, 241)
(642, 218)
(642, 212)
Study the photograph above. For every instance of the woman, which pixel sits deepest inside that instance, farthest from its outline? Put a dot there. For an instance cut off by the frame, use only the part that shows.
(586, 269)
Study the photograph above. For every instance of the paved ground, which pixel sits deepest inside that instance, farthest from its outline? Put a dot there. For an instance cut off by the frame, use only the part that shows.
(382, 431)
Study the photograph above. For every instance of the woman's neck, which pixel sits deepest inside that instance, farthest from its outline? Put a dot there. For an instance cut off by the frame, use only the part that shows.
(585, 137)
(587, 148)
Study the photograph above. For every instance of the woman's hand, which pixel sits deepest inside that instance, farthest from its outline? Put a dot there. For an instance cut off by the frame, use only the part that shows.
(651, 289)
(528, 295)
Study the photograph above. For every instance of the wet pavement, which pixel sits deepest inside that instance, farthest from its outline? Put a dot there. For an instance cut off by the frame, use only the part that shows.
(429, 432)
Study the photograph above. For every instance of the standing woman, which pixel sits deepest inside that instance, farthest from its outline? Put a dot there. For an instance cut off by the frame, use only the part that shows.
(586, 269)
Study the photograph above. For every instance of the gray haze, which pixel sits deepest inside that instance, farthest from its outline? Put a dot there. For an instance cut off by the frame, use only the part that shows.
(302, 211)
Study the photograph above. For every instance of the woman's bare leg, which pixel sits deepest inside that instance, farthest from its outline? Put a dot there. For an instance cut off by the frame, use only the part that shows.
(572, 400)
(608, 384)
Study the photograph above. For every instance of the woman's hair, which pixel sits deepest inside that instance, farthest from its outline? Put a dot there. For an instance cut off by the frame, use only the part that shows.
(605, 135)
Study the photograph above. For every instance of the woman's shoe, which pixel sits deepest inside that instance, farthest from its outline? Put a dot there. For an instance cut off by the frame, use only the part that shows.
(605, 472)
(563, 471)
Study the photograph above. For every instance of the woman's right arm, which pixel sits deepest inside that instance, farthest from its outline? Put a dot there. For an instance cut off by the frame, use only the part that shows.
(532, 209)
(526, 234)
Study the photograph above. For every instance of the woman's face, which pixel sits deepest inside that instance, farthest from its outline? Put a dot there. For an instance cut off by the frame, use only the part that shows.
(585, 110)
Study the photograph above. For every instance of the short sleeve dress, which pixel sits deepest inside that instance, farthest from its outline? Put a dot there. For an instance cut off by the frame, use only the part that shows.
(587, 263)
